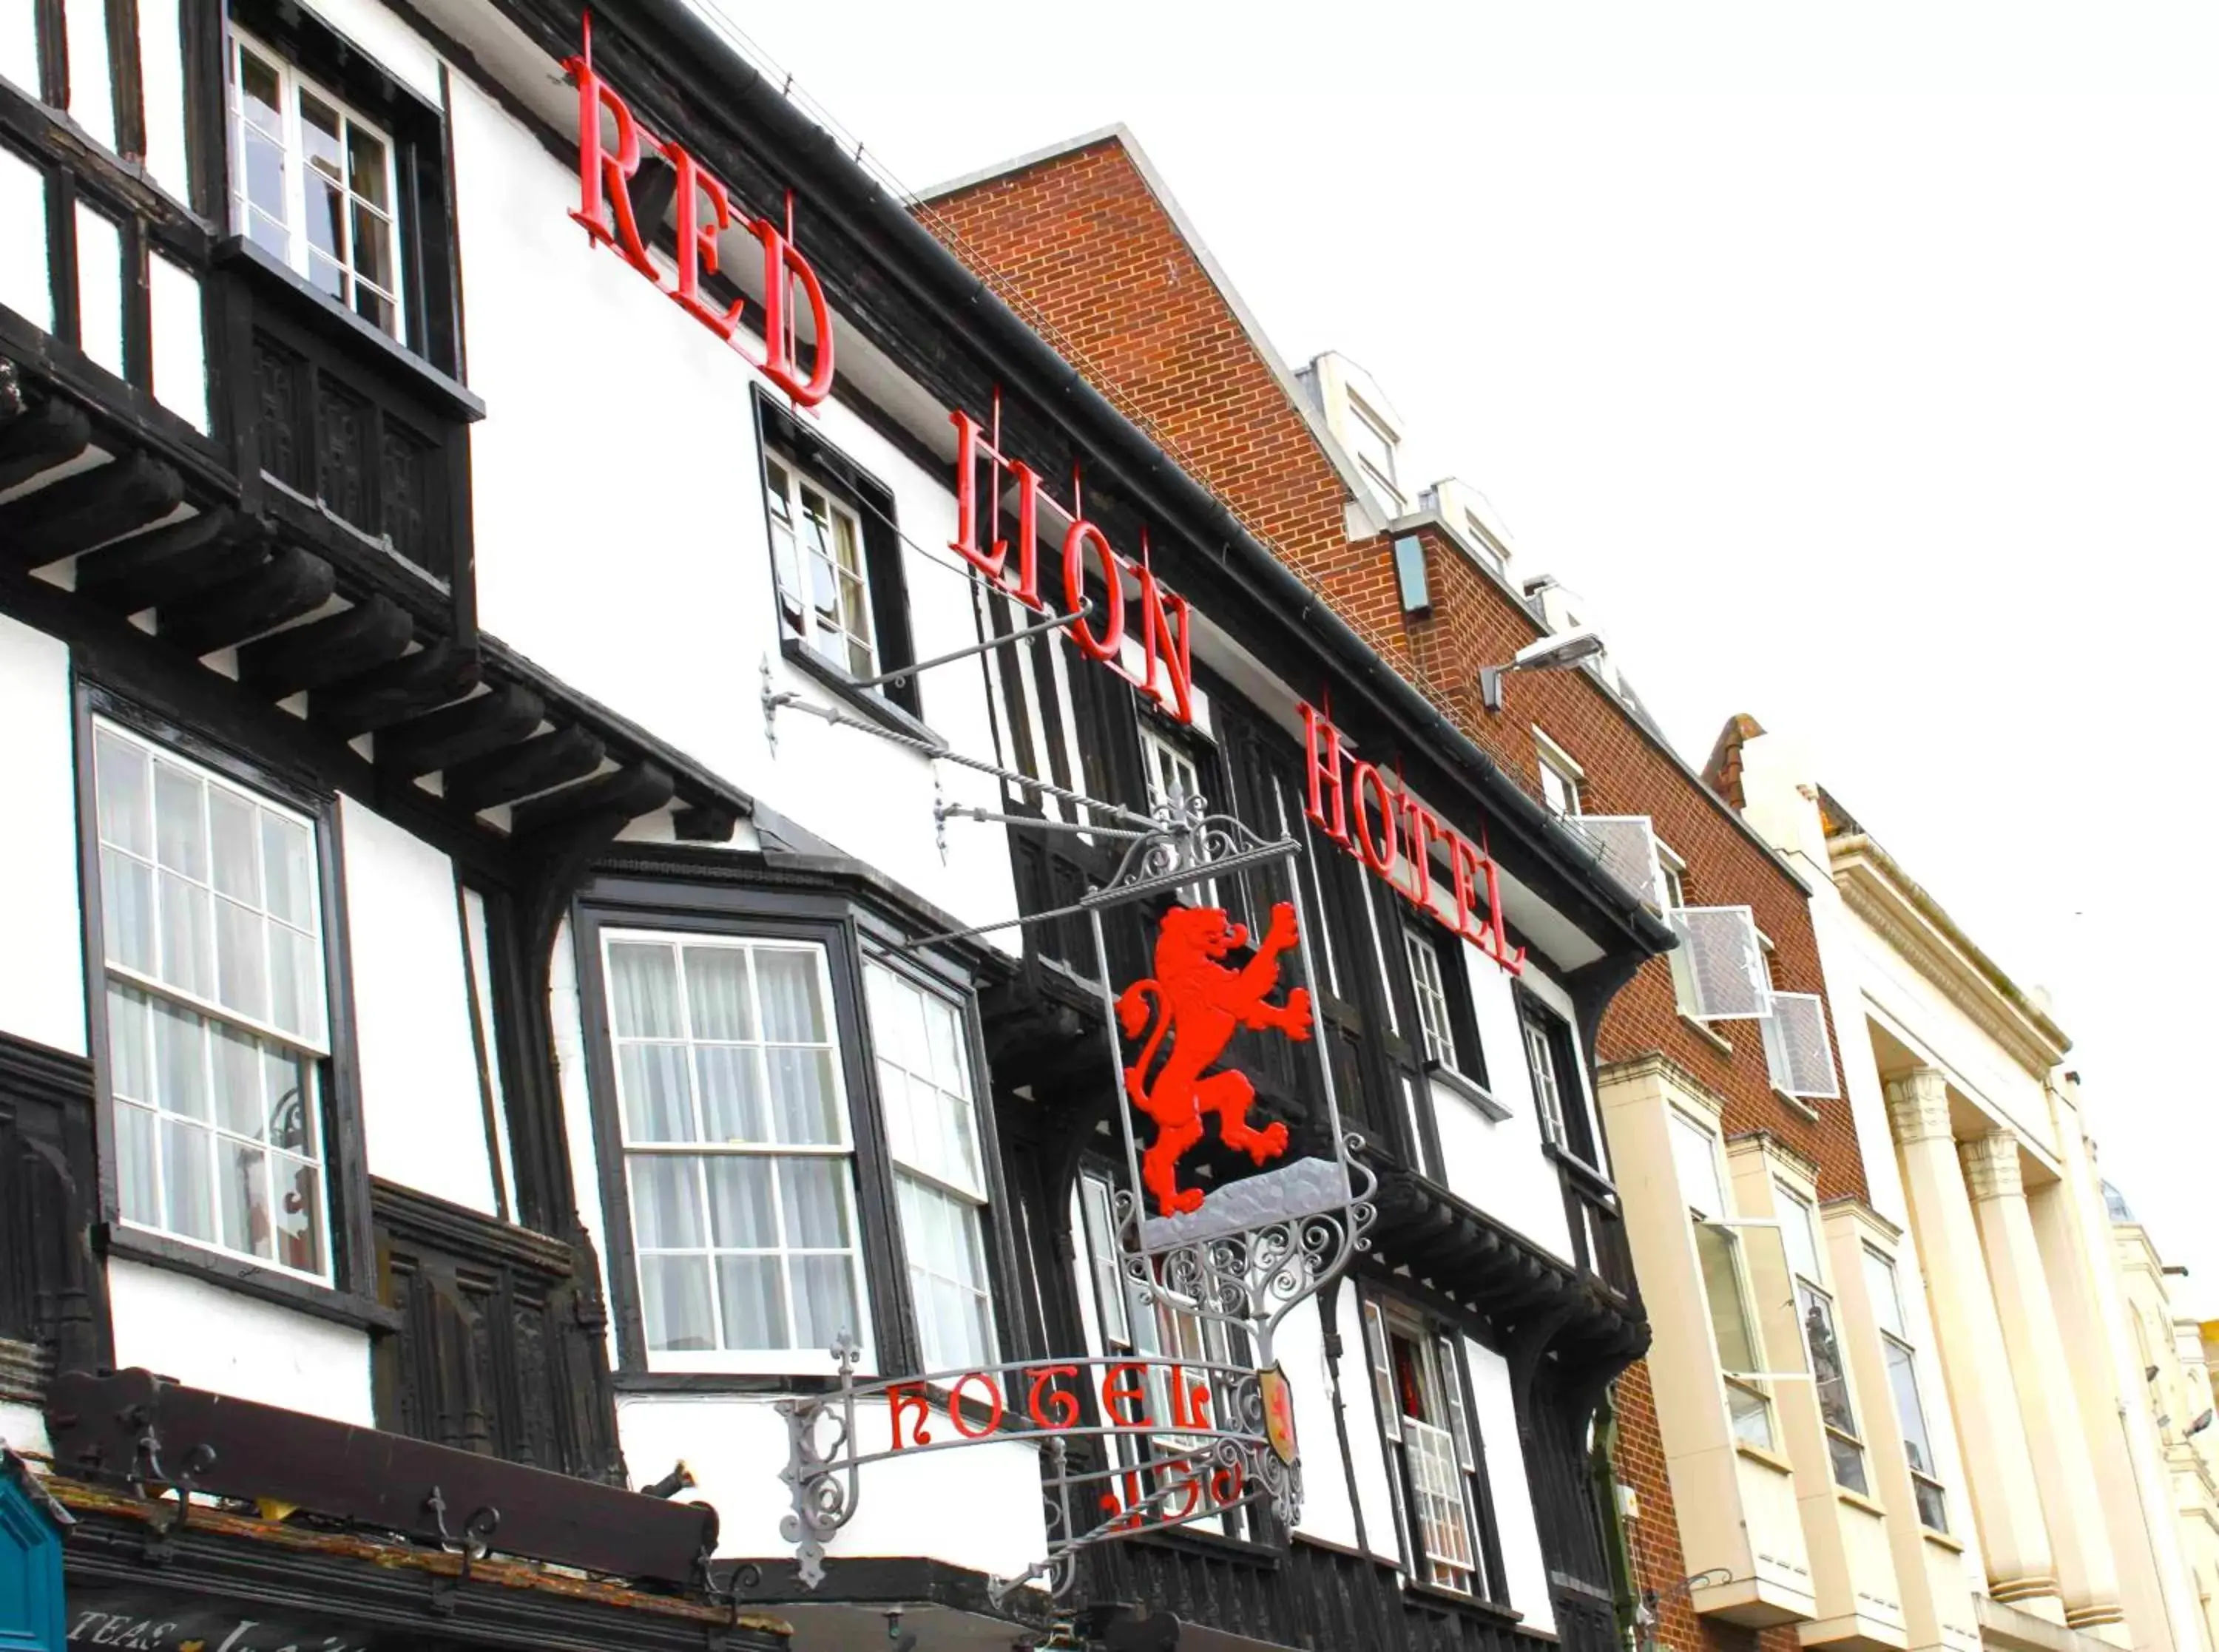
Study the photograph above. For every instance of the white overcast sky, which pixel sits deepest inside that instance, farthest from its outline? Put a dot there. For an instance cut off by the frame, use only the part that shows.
(1859, 365)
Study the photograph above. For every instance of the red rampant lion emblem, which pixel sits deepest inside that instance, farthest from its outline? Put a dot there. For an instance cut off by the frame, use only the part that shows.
(1199, 1005)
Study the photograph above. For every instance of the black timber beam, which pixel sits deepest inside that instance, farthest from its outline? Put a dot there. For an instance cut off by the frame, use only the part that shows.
(326, 651)
(87, 509)
(630, 792)
(38, 438)
(540, 764)
(169, 563)
(290, 584)
(394, 693)
(456, 734)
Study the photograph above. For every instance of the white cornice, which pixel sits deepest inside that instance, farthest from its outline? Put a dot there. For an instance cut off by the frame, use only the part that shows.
(1907, 917)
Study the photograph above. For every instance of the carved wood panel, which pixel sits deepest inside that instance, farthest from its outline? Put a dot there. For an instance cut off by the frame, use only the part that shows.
(501, 1347)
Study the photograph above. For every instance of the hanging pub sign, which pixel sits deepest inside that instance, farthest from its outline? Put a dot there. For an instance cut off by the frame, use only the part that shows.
(1355, 804)
(1133, 1443)
(705, 210)
(1159, 619)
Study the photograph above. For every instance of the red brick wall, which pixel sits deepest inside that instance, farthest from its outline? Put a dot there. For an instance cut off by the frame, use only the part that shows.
(1083, 241)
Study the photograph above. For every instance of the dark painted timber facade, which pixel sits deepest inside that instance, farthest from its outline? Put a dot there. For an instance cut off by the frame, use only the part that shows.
(404, 1395)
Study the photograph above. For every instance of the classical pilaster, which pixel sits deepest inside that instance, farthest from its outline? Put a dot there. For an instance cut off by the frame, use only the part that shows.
(2072, 1501)
(1975, 1363)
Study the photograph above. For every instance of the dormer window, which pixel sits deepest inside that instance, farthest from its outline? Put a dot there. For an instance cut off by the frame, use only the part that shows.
(1374, 444)
(1561, 776)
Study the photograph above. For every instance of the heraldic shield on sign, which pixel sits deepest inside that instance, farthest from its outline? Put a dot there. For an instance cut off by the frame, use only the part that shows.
(1138, 1443)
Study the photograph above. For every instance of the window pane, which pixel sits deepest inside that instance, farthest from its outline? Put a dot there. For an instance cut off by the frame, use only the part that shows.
(742, 1215)
(135, 1165)
(130, 1071)
(1848, 1461)
(245, 1196)
(188, 942)
(299, 1214)
(1887, 1304)
(127, 911)
(804, 1104)
(289, 1092)
(366, 168)
(242, 976)
(673, 1299)
(265, 228)
(1795, 1235)
(180, 1062)
(1717, 1249)
(186, 1180)
(232, 834)
(376, 310)
(288, 859)
(1750, 1412)
(126, 800)
(814, 1192)
(1902, 1379)
(658, 1102)
(731, 1094)
(718, 992)
(326, 227)
(666, 1203)
(373, 248)
(1694, 1158)
(296, 984)
(752, 1291)
(319, 134)
(824, 1300)
(241, 1100)
(180, 837)
(643, 991)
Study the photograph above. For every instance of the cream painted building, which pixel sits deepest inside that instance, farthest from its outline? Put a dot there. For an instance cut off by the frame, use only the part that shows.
(2176, 1354)
(2042, 1495)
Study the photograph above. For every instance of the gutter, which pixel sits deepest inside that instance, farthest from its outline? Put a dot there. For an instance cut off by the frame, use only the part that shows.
(940, 275)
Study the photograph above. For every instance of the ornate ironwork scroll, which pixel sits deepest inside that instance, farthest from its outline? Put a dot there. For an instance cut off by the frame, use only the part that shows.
(1178, 1442)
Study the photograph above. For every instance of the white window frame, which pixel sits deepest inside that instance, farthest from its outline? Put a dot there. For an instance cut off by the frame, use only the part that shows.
(964, 1187)
(722, 1360)
(790, 558)
(1565, 798)
(310, 1047)
(1429, 988)
(1671, 878)
(1881, 1274)
(1746, 1394)
(300, 256)
(1162, 761)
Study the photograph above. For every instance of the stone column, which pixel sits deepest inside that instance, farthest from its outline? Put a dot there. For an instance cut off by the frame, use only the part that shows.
(1991, 1435)
(2042, 1371)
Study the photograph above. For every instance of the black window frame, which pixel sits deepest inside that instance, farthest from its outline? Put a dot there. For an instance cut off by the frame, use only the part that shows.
(351, 1296)
(1392, 1309)
(424, 215)
(848, 932)
(778, 432)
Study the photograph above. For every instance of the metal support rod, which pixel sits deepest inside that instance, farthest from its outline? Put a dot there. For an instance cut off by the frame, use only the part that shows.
(940, 752)
(971, 812)
(1085, 611)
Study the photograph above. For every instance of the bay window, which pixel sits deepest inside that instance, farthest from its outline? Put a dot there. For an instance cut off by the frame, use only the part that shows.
(218, 1030)
(794, 1152)
(737, 1153)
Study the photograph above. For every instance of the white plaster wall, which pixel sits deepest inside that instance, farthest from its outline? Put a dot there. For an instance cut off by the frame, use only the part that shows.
(207, 1337)
(1367, 1447)
(400, 50)
(1328, 1499)
(423, 1109)
(19, 48)
(1523, 1567)
(41, 934)
(977, 1507)
(604, 381)
(24, 1430)
(1497, 1165)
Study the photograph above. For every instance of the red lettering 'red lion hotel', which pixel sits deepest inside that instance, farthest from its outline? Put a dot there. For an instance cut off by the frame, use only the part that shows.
(612, 927)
